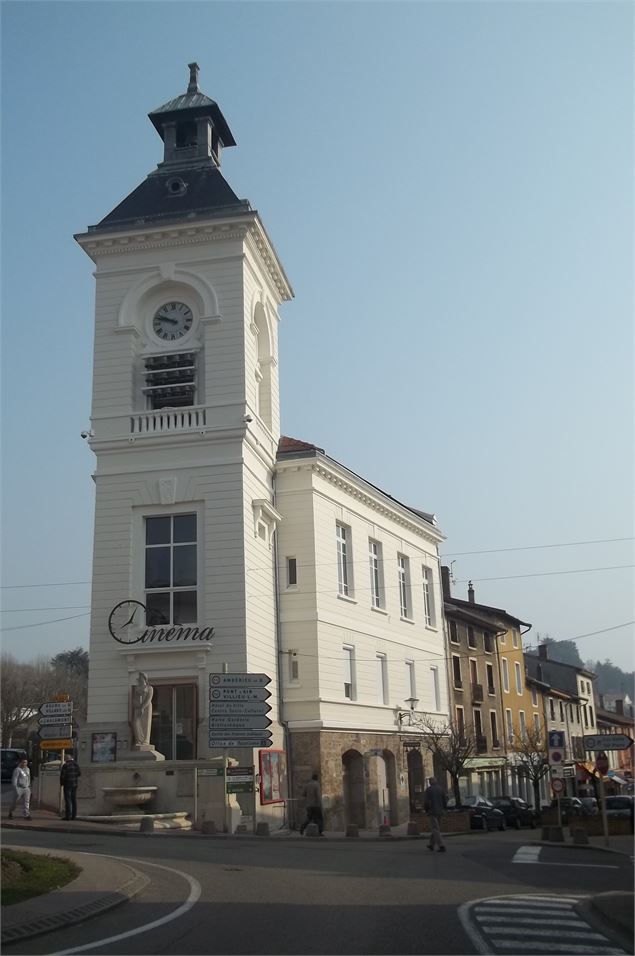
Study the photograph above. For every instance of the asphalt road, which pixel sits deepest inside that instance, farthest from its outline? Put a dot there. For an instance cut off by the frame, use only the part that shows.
(292, 896)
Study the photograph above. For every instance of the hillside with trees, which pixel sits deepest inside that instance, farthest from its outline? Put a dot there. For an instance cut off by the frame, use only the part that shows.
(610, 678)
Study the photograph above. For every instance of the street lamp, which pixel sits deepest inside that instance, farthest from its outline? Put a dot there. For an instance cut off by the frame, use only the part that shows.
(401, 716)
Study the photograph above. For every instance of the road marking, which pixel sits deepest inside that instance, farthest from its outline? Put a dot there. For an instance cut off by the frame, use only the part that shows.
(532, 924)
(193, 897)
(531, 854)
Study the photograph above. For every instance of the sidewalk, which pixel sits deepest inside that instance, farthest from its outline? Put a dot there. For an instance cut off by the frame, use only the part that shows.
(105, 883)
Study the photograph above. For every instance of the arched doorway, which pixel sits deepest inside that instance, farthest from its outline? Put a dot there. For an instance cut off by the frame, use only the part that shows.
(415, 780)
(353, 788)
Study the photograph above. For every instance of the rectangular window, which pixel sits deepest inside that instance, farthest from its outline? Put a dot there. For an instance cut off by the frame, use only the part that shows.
(515, 637)
(349, 671)
(292, 572)
(586, 716)
(170, 380)
(456, 671)
(561, 711)
(519, 678)
(404, 585)
(454, 633)
(522, 724)
(480, 739)
(503, 639)
(428, 597)
(460, 720)
(294, 666)
(590, 715)
(489, 670)
(382, 679)
(411, 686)
(171, 572)
(494, 727)
(552, 709)
(510, 725)
(534, 696)
(471, 637)
(376, 572)
(173, 728)
(343, 560)
(537, 726)
(505, 667)
(436, 697)
(488, 643)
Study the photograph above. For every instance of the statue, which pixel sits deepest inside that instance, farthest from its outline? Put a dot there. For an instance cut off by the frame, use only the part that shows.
(142, 710)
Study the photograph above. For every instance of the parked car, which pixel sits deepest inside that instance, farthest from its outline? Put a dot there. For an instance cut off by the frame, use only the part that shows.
(621, 806)
(517, 812)
(10, 758)
(483, 814)
(589, 806)
(569, 807)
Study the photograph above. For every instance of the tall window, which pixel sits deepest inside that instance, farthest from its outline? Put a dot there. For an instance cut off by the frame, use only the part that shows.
(522, 724)
(509, 725)
(494, 726)
(552, 709)
(375, 565)
(404, 585)
(349, 671)
(534, 696)
(478, 726)
(488, 643)
(382, 679)
(505, 667)
(515, 637)
(460, 720)
(343, 560)
(411, 686)
(471, 637)
(537, 725)
(436, 696)
(428, 597)
(561, 711)
(489, 670)
(519, 678)
(173, 730)
(292, 572)
(171, 570)
(454, 633)
(456, 670)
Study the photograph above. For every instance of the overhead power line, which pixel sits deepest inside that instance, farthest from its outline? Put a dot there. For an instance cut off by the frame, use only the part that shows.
(534, 547)
(543, 574)
(21, 627)
(19, 610)
(58, 584)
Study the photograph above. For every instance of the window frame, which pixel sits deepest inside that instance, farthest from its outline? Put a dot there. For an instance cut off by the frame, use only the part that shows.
(459, 685)
(382, 678)
(411, 679)
(519, 678)
(454, 632)
(344, 560)
(375, 564)
(292, 563)
(436, 687)
(349, 671)
(171, 590)
(403, 575)
(493, 724)
(429, 610)
(505, 674)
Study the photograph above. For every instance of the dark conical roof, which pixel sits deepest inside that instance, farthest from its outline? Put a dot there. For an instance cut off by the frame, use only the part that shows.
(194, 103)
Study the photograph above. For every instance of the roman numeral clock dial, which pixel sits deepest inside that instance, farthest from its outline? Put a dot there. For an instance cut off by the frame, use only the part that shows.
(172, 321)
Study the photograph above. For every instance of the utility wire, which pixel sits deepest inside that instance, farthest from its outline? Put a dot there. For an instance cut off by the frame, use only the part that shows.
(534, 547)
(18, 610)
(21, 627)
(59, 584)
(544, 574)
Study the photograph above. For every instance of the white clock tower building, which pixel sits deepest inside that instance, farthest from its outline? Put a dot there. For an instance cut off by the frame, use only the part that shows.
(185, 430)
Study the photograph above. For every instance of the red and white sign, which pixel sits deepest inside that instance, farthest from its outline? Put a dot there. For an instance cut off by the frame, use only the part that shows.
(557, 784)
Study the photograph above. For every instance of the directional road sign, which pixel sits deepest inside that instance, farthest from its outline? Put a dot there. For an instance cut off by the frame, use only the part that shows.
(556, 739)
(56, 731)
(56, 744)
(239, 693)
(242, 707)
(238, 680)
(230, 741)
(54, 707)
(240, 723)
(54, 719)
(607, 741)
(238, 733)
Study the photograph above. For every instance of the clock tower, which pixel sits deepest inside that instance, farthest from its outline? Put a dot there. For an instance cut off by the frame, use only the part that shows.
(185, 429)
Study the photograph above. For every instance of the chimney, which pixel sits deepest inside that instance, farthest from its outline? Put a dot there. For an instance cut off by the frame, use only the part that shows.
(543, 651)
(470, 592)
(619, 707)
(445, 582)
(601, 696)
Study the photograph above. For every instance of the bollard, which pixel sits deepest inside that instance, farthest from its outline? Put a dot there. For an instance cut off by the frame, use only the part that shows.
(384, 829)
(556, 834)
(208, 826)
(262, 829)
(352, 830)
(579, 835)
(311, 830)
(241, 828)
(413, 828)
(146, 825)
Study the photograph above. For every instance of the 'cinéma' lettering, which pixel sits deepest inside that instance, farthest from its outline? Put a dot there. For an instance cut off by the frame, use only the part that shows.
(178, 633)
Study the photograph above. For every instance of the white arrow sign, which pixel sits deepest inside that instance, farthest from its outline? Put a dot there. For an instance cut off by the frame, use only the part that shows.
(238, 680)
(62, 708)
(239, 693)
(241, 723)
(52, 733)
(607, 741)
(217, 707)
(56, 720)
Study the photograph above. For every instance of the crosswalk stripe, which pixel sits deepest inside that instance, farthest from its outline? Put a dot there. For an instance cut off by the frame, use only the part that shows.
(562, 934)
(512, 945)
(525, 921)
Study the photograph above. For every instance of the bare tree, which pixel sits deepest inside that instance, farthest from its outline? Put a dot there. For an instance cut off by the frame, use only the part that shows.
(532, 758)
(70, 669)
(451, 746)
(25, 686)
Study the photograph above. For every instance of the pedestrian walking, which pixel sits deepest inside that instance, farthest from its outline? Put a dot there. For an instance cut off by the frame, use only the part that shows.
(434, 803)
(313, 797)
(69, 776)
(21, 783)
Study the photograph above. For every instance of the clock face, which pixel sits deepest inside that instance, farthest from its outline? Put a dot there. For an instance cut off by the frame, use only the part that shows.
(172, 321)
(126, 620)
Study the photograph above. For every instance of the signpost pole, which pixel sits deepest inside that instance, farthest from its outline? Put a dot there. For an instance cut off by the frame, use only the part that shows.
(605, 821)
(225, 670)
(195, 796)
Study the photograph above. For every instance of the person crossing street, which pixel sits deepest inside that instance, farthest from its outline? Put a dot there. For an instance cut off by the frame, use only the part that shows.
(21, 783)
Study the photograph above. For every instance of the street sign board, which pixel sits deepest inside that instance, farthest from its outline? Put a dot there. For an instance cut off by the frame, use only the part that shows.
(238, 722)
(239, 693)
(556, 757)
(607, 741)
(557, 784)
(568, 771)
(55, 707)
(56, 744)
(238, 680)
(556, 739)
(55, 732)
(238, 707)
(211, 772)
(224, 743)
(54, 719)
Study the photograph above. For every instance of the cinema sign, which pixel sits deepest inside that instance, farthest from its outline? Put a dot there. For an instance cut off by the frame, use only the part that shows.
(126, 623)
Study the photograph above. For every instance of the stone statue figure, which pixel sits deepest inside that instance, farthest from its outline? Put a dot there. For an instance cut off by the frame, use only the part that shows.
(142, 710)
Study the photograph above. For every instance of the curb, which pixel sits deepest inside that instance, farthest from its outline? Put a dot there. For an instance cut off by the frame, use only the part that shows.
(29, 927)
(612, 927)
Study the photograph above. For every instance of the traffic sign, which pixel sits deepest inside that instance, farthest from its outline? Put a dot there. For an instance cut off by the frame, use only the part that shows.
(238, 722)
(239, 693)
(556, 757)
(56, 744)
(607, 741)
(56, 731)
(211, 772)
(568, 771)
(53, 707)
(238, 707)
(238, 680)
(54, 719)
(224, 743)
(602, 763)
(556, 739)
(557, 784)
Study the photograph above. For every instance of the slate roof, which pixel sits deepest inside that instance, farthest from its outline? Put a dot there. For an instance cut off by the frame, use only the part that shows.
(558, 676)
(490, 611)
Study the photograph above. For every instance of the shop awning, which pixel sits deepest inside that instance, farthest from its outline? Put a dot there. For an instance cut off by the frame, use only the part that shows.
(617, 779)
(484, 763)
(590, 770)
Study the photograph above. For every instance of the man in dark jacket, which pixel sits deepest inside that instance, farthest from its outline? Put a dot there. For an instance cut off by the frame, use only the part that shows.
(313, 797)
(69, 776)
(434, 803)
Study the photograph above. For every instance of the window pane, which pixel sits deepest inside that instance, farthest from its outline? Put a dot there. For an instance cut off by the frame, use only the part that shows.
(157, 530)
(184, 528)
(185, 607)
(158, 568)
(157, 609)
(184, 571)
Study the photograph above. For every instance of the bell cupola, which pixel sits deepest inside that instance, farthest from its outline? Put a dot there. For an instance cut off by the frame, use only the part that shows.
(192, 127)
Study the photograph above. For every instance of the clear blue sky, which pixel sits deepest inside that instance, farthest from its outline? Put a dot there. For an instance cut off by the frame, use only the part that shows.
(449, 187)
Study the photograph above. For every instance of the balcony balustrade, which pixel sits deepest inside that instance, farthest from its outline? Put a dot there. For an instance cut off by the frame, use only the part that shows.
(477, 692)
(189, 418)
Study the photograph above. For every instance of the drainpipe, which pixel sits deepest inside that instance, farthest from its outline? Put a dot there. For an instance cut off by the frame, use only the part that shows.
(498, 634)
(446, 649)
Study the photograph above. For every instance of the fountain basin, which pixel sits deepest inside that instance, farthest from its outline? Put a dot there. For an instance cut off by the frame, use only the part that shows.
(123, 797)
